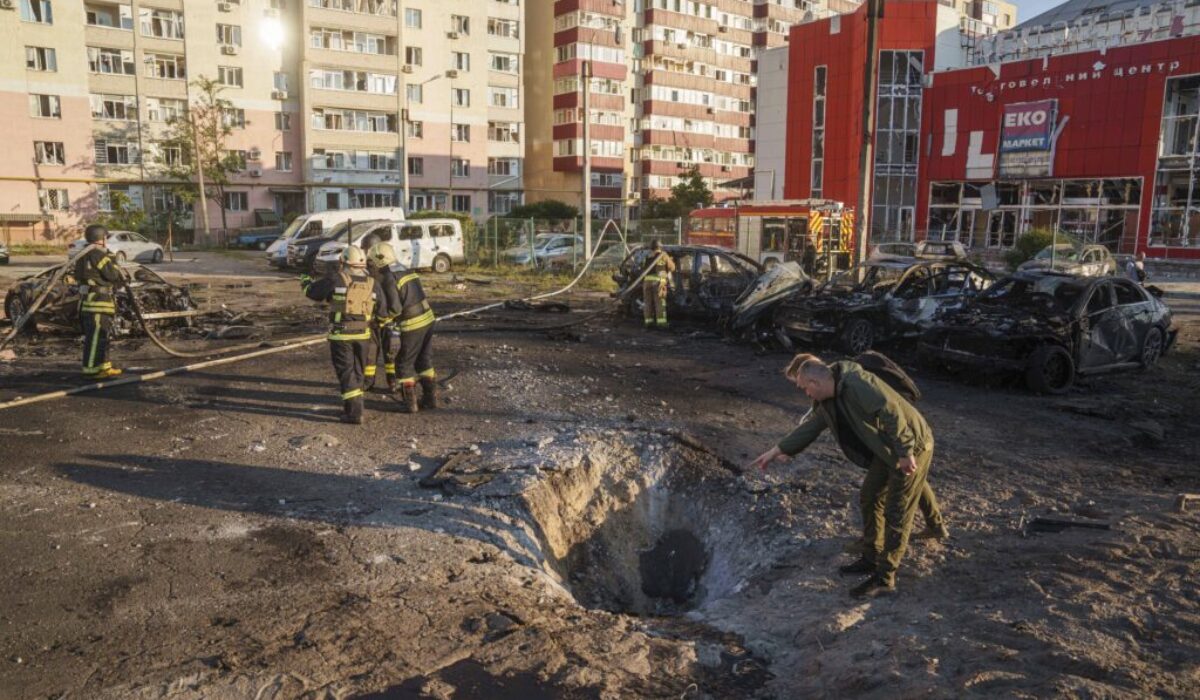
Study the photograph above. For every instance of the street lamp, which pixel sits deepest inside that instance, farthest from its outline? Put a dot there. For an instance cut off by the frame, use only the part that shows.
(404, 129)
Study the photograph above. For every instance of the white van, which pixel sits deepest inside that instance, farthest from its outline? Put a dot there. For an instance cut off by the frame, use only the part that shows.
(425, 244)
(309, 225)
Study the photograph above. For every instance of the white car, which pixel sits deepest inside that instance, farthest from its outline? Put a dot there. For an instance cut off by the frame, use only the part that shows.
(126, 245)
(545, 245)
(423, 244)
(311, 225)
(1087, 261)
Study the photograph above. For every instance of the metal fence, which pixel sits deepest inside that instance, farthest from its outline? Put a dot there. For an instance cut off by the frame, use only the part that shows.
(557, 245)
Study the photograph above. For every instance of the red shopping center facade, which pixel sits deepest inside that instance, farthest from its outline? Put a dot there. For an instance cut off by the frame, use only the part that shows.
(1100, 144)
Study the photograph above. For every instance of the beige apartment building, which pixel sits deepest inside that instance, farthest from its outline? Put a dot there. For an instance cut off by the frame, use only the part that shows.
(319, 88)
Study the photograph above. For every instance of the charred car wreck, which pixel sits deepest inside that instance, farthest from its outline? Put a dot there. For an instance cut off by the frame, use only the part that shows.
(706, 283)
(1051, 327)
(60, 311)
(883, 299)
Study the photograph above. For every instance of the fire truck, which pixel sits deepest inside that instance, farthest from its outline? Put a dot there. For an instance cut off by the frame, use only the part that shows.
(817, 233)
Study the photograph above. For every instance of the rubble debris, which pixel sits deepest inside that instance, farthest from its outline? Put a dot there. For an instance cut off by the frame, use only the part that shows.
(1184, 500)
(544, 306)
(1056, 524)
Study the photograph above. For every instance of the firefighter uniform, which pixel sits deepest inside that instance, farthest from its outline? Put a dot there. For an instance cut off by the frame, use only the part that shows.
(414, 324)
(380, 258)
(97, 274)
(655, 285)
(355, 300)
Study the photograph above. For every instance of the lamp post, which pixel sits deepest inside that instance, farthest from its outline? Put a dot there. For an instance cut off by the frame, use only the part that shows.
(404, 122)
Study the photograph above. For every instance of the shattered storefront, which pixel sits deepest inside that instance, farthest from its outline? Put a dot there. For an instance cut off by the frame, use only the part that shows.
(1101, 146)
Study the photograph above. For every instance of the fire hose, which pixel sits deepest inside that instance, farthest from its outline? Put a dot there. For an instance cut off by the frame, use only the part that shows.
(285, 345)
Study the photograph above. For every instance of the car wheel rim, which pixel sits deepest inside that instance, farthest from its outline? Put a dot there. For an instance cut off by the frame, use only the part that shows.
(1152, 350)
(860, 338)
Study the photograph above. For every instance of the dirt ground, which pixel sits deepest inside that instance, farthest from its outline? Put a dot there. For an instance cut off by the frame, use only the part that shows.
(220, 535)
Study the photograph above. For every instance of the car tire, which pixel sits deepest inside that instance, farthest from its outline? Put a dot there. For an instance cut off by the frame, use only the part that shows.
(158, 256)
(857, 336)
(1152, 348)
(441, 264)
(1051, 370)
(14, 306)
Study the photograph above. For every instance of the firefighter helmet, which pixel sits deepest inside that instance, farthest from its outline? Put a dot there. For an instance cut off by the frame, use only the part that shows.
(95, 234)
(382, 255)
(354, 256)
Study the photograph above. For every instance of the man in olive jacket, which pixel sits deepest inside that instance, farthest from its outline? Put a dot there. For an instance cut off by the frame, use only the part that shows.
(847, 397)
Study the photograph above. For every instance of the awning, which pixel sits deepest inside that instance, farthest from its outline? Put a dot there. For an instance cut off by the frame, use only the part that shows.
(24, 218)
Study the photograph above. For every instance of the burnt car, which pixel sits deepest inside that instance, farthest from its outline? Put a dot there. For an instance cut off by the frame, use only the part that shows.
(60, 310)
(752, 312)
(1051, 327)
(882, 299)
(707, 280)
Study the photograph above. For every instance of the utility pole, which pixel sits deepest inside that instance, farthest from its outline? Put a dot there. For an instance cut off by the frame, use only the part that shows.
(866, 157)
(200, 176)
(404, 155)
(587, 160)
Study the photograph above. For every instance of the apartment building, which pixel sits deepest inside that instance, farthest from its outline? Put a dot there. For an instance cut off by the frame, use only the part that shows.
(326, 95)
(442, 78)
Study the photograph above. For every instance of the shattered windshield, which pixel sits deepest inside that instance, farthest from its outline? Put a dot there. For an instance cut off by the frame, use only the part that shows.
(1065, 253)
(865, 278)
(1015, 291)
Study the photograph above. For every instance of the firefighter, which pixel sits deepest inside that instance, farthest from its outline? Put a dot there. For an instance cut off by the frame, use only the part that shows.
(380, 258)
(97, 273)
(414, 323)
(655, 286)
(355, 300)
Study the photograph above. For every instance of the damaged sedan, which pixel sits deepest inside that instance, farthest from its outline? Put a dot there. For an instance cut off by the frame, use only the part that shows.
(880, 300)
(706, 283)
(1051, 327)
(60, 310)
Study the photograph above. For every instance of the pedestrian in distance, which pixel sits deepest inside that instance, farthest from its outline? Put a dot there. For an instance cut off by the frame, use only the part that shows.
(355, 299)
(97, 274)
(863, 410)
(656, 285)
(1135, 269)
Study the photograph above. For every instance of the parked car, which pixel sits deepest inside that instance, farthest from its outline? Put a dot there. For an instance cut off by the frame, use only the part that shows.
(3, 254)
(752, 312)
(707, 280)
(125, 245)
(1051, 327)
(311, 226)
(545, 245)
(60, 309)
(1088, 260)
(257, 238)
(609, 257)
(434, 244)
(880, 300)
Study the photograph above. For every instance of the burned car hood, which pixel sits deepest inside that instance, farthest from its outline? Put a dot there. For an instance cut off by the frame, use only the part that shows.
(783, 281)
(1002, 320)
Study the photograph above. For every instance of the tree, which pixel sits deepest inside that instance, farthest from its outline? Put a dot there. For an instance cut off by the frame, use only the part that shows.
(545, 209)
(1034, 242)
(691, 193)
(194, 144)
(122, 215)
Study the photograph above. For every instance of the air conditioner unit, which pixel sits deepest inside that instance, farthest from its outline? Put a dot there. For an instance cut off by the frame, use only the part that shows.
(254, 153)
(229, 50)
(255, 171)
(681, 164)
(726, 169)
(710, 110)
(722, 29)
(279, 95)
(406, 69)
(451, 35)
(225, 6)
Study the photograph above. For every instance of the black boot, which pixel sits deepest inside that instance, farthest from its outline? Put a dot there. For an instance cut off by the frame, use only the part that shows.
(352, 412)
(873, 587)
(391, 382)
(408, 398)
(429, 393)
(862, 566)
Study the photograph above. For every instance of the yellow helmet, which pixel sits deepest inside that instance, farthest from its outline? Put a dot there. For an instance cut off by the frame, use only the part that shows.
(382, 255)
(354, 257)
